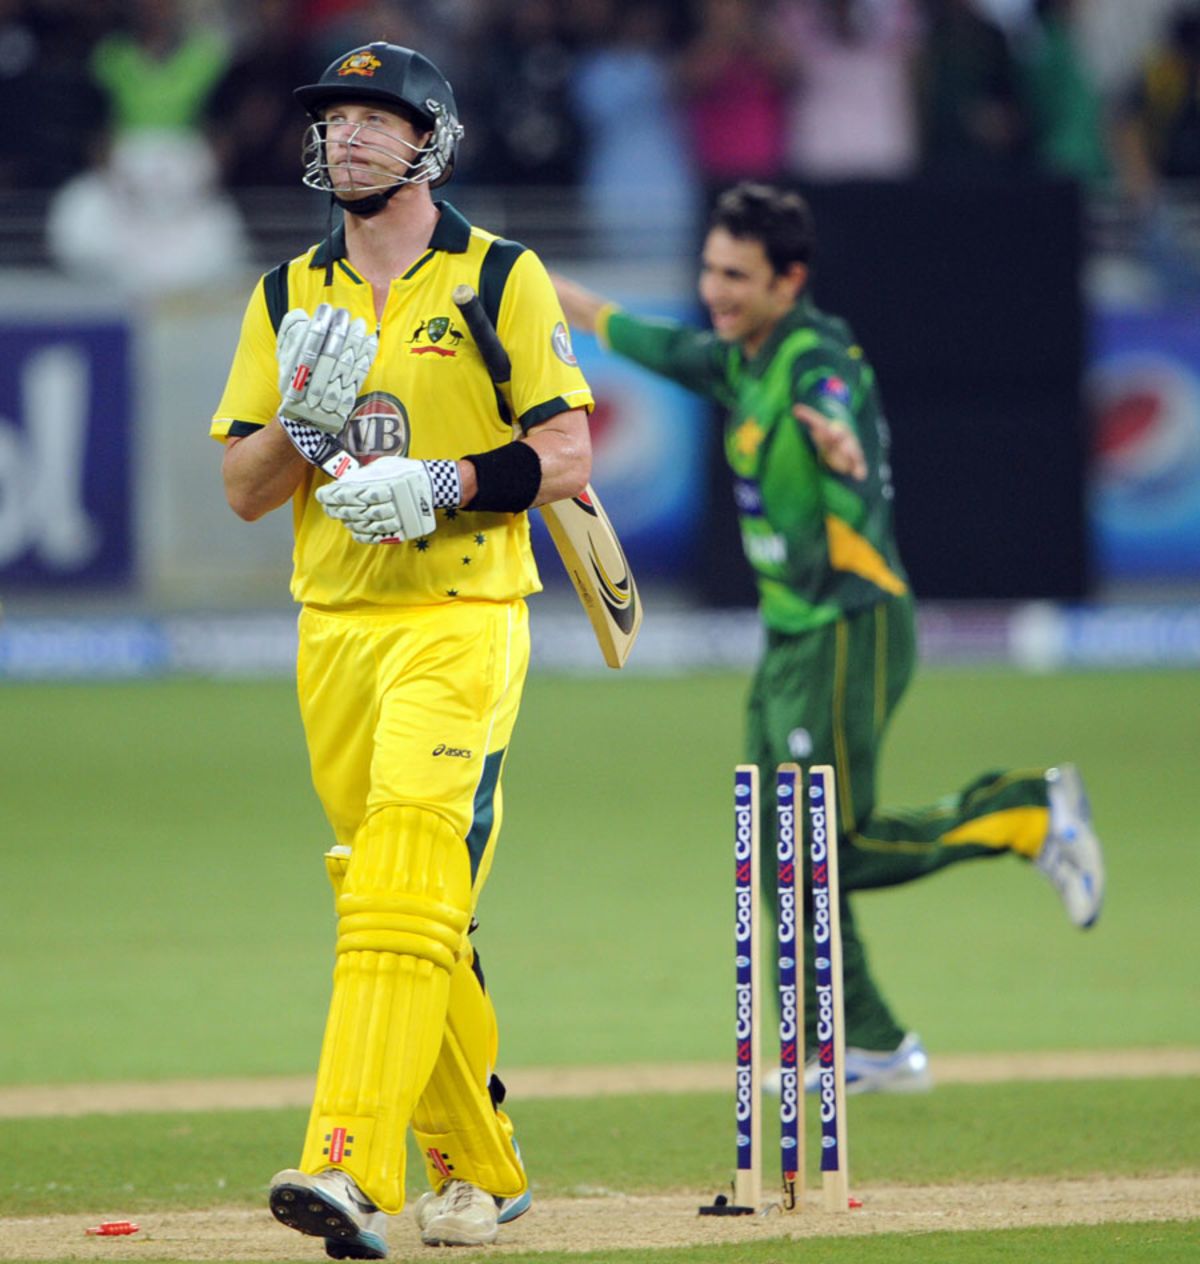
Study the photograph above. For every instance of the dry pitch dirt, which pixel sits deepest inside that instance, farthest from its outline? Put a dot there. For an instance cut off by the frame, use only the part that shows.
(620, 1222)
(604, 1220)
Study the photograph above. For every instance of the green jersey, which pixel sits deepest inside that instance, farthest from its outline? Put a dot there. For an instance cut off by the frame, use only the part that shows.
(821, 545)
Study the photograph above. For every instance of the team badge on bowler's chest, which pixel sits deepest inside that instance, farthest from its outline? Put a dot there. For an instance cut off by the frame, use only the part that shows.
(435, 335)
(377, 427)
(743, 443)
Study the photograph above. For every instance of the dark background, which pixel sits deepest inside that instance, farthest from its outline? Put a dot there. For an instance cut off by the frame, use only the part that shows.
(967, 300)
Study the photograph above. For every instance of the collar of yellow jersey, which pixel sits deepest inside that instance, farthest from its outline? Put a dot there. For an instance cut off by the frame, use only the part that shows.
(452, 233)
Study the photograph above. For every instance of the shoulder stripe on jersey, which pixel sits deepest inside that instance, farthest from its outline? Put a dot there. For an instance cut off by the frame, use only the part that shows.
(494, 272)
(497, 264)
(240, 429)
(275, 287)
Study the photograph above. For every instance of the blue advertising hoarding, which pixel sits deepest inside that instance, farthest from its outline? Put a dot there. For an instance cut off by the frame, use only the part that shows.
(65, 454)
(1144, 393)
(650, 442)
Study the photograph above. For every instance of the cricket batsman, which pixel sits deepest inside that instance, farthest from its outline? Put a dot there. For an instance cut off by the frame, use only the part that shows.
(411, 566)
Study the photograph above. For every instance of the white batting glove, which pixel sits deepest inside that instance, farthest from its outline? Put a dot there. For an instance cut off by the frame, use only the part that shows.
(323, 361)
(393, 498)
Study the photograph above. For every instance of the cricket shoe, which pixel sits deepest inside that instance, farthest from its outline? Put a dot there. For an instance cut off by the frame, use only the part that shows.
(330, 1205)
(509, 1209)
(465, 1215)
(904, 1069)
(1071, 857)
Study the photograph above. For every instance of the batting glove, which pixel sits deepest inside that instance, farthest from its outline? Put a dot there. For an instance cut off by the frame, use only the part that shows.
(393, 498)
(323, 361)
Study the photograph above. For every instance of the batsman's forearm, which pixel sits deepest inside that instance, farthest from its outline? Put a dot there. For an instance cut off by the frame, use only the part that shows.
(564, 462)
(467, 481)
(565, 473)
(564, 448)
(261, 472)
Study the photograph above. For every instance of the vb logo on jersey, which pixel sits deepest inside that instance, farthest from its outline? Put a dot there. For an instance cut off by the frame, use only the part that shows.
(427, 337)
(377, 427)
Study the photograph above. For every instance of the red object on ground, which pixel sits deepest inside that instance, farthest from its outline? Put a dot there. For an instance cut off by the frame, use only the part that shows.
(856, 1204)
(113, 1228)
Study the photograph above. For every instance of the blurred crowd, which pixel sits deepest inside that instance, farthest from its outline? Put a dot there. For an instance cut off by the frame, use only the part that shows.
(151, 109)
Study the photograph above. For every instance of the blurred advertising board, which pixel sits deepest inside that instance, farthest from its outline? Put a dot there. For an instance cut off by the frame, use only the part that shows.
(65, 454)
(650, 443)
(1143, 389)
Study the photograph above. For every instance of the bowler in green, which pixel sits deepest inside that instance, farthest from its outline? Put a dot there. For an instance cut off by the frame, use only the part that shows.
(807, 444)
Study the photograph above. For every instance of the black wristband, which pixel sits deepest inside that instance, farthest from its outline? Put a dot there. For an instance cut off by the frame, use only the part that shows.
(508, 478)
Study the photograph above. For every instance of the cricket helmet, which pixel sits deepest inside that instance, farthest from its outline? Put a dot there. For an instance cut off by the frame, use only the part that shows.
(400, 79)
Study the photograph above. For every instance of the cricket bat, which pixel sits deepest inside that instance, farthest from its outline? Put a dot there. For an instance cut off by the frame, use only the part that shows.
(579, 527)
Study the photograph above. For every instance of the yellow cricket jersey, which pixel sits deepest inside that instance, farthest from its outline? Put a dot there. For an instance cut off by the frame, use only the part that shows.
(428, 395)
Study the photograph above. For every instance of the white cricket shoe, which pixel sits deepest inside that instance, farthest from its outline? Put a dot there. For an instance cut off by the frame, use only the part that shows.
(1071, 857)
(461, 1215)
(772, 1081)
(330, 1205)
(904, 1069)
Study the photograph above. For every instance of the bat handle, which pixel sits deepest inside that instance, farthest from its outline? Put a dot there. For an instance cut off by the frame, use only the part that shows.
(495, 358)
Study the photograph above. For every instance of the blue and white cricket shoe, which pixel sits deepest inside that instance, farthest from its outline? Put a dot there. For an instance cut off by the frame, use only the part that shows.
(330, 1205)
(904, 1069)
(1071, 857)
(511, 1208)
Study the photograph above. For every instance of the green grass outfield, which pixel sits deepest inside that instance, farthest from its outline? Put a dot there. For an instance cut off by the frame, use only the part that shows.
(636, 1144)
(166, 915)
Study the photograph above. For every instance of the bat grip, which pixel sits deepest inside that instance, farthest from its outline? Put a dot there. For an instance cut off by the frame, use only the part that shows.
(495, 358)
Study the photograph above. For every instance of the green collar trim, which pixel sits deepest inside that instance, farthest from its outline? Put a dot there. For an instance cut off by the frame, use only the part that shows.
(799, 316)
(452, 232)
(333, 247)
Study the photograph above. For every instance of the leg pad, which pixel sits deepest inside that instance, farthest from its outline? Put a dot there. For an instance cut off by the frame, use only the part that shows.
(461, 1132)
(403, 911)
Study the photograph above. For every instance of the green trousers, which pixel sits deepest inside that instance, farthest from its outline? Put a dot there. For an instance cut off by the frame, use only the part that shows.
(825, 697)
